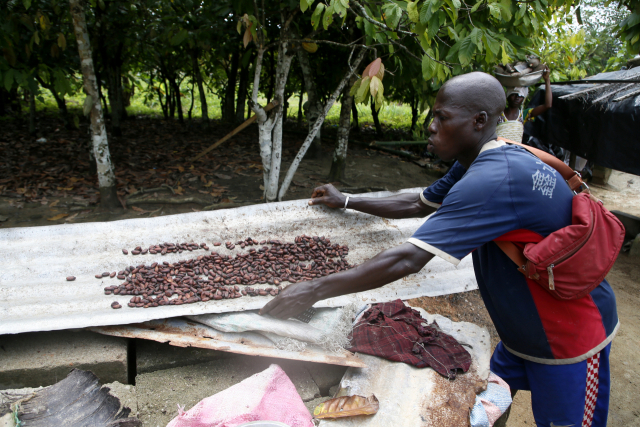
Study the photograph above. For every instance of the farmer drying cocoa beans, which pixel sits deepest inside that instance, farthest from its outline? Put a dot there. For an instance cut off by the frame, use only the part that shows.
(558, 349)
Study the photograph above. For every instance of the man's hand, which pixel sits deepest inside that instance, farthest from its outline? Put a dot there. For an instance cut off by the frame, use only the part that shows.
(292, 300)
(546, 73)
(327, 195)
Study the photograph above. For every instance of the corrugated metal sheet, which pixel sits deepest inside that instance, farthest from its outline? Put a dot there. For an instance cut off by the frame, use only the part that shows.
(413, 397)
(183, 333)
(34, 295)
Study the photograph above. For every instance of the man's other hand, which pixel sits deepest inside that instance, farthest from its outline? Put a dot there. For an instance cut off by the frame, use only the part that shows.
(292, 300)
(327, 195)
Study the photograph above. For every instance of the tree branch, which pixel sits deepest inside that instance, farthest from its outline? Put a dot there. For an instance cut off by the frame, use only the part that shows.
(307, 142)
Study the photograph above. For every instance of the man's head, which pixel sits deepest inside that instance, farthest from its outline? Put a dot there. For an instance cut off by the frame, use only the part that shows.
(465, 114)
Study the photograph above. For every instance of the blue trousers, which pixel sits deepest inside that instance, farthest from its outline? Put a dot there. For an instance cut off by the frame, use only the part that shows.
(574, 395)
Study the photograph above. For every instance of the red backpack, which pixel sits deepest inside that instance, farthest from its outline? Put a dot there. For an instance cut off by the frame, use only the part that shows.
(571, 262)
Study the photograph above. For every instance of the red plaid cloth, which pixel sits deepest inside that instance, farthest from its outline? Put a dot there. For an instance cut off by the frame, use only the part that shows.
(396, 332)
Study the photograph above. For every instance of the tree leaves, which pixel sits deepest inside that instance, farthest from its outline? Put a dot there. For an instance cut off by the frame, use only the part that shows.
(317, 15)
(328, 16)
(374, 85)
(363, 90)
(179, 37)
(428, 66)
(425, 12)
(466, 50)
(62, 42)
(305, 4)
(8, 79)
(412, 11)
(373, 68)
(392, 14)
(247, 37)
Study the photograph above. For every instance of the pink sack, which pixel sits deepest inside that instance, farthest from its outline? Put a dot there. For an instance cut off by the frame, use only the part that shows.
(267, 396)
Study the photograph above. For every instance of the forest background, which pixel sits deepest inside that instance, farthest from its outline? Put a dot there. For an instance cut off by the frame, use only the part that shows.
(202, 64)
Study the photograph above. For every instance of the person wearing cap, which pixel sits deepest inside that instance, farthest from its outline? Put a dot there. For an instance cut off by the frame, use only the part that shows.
(512, 120)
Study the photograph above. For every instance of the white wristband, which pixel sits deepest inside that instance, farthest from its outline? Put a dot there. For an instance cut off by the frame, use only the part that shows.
(345, 202)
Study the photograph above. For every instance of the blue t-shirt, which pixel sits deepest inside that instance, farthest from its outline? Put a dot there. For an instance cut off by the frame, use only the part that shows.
(505, 189)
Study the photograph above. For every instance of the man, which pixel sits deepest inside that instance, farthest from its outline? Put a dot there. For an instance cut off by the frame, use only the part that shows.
(557, 349)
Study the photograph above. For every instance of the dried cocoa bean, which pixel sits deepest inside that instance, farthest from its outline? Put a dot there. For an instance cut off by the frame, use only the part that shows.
(71, 278)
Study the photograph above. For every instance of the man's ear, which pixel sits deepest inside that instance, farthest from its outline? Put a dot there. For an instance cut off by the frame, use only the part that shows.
(480, 120)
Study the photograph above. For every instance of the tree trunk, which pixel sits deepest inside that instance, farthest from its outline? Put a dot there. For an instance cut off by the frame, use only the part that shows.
(414, 112)
(316, 126)
(427, 122)
(265, 125)
(106, 175)
(354, 112)
(242, 94)
(376, 121)
(313, 103)
(272, 73)
(300, 102)
(32, 113)
(203, 96)
(285, 56)
(105, 108)
(115, 97)
(339, 163)
(170, 97)
(178, 98)
(191, 106)
(230, 94)
(62, 105)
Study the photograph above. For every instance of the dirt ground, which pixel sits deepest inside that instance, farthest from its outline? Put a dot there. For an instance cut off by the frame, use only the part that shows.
(50, 182)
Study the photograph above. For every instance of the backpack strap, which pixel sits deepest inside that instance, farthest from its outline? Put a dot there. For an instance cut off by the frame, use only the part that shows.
(573, 178)
(505, 243)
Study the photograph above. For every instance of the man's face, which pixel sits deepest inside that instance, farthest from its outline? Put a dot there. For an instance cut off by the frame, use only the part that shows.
(451, 130)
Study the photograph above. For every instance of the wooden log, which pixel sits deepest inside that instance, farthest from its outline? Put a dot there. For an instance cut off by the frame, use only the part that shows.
(235, 131)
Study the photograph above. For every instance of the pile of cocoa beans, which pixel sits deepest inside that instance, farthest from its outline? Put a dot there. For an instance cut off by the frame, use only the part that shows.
(164, 248)
(216, 276)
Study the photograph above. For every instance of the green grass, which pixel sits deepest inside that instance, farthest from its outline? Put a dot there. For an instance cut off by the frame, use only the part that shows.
(392, 114)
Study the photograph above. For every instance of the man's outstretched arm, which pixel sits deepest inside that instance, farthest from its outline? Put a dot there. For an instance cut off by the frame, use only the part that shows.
(399, 206)
(384, 268)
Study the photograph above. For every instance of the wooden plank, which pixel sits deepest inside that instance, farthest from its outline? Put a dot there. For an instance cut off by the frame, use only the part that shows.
(234, 132)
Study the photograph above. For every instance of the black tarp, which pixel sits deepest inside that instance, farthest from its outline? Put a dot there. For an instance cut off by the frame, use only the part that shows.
(606, 133)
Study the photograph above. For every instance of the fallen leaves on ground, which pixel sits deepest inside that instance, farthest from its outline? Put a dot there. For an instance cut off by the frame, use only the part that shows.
(72, 217)
(347, 406)
(57, 217)
(151, 153)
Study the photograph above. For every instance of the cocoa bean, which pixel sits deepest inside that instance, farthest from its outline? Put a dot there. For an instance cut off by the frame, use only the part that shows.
(112, 275)
(126, 252)
(115, 304)
(71, 278)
